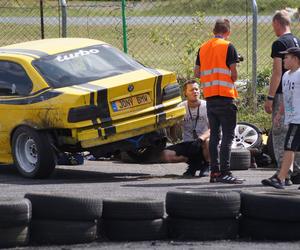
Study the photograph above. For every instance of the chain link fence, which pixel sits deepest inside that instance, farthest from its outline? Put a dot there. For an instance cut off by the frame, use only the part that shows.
(160, 33)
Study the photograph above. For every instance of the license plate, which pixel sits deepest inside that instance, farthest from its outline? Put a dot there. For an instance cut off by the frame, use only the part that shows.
(131, 101)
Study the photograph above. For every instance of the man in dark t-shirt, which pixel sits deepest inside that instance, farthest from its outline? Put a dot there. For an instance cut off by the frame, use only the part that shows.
(281, 26)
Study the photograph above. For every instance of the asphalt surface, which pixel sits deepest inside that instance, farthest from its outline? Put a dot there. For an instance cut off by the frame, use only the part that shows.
(107, 179)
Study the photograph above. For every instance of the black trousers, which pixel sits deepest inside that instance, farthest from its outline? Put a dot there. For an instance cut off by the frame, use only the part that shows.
(222, 113)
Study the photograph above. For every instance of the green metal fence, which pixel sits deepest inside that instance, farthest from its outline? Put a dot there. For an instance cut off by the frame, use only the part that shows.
(159, 33)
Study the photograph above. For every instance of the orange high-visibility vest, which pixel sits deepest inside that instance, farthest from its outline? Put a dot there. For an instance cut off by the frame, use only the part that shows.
(215, 76)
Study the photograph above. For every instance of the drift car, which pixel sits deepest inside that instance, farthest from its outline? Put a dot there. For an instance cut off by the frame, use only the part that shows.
(74, 95)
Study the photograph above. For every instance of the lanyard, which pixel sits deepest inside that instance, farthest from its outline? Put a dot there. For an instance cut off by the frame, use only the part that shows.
(197, 117)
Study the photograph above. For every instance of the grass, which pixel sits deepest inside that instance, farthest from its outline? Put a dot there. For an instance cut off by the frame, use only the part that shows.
(168, 46)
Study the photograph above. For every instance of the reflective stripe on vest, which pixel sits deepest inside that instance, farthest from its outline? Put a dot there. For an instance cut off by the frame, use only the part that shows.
(216, 70)
(219, 83)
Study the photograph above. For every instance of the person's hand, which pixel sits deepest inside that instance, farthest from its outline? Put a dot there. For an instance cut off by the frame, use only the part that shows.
(268, 106)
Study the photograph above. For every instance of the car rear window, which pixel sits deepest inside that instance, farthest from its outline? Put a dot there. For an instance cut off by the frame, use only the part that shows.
(84, 65)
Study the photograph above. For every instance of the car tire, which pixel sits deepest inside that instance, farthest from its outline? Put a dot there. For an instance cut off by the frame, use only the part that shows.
(268, 205)
(240, 159)
(135, 230)
(64, 207)
(133, 209)
(247, 135)
(14, 212)
(269, 229)
(191, 229)
(62, 231)
(32, 152)
(14, 236)
(203, 204)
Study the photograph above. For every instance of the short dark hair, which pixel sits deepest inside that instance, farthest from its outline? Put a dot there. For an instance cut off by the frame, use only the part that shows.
(282, 17)
(191, 81)
(222, 26)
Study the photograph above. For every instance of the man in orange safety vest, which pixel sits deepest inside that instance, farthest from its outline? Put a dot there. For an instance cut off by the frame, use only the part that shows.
(216, 67)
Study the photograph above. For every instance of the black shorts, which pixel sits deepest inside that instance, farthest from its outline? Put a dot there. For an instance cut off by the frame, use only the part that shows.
(188, 150)
(292, 139)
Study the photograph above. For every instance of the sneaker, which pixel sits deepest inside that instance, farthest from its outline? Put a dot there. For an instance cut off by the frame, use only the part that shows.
(288, 182)
(204, 171)
(273, 181)
(229, 178)
(214, 176)
(190, 172)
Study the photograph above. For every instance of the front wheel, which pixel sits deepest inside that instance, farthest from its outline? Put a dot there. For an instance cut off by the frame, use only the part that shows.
(32, 153)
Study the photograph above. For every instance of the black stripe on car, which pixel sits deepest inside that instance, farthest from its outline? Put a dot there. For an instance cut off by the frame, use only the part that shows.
(27, 52)
(159, 108)
(106, 121)
(41, 97)
(94, 119)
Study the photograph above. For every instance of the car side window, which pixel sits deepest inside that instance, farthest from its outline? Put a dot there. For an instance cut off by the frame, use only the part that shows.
(13, 79)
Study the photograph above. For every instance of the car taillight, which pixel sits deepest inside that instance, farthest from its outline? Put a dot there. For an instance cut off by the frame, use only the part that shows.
(83, 113)
(171, 91)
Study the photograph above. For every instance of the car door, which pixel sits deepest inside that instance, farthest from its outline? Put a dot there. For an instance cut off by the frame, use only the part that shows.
(14, 84)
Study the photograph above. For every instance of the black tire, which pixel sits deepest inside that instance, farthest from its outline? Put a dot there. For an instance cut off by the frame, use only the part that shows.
(269, 229)
(133, 209)
(62, 232)
(64, 207)
(14, 236)
(14, 212)
(135, 230)
(240, 159)
(268, 205)
(243, 139)
(203, 204)
(187, 229)
(32, 152)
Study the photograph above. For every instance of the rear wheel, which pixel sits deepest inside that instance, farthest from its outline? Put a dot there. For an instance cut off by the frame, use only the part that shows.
(32, 153)
(247, 135)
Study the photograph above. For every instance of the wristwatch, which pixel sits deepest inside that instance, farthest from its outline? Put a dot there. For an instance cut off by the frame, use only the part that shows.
(270, 98)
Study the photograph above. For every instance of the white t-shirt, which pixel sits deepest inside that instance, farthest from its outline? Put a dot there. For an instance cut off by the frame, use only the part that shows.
(291, 96)
(190, 122)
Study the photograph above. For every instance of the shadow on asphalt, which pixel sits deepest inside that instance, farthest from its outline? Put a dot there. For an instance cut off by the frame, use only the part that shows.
(9, 175)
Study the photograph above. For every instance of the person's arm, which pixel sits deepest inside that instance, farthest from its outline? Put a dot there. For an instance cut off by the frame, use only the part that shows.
(231, 61)
(234, 73)
(197, 66)
(274, 82)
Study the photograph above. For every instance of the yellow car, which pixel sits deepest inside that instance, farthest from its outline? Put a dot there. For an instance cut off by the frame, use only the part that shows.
(74, 95)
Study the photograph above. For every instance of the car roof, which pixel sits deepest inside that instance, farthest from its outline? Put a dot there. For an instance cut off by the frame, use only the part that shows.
(50, 46)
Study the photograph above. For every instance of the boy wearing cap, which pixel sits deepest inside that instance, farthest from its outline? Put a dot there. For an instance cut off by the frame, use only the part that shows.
(290, 108)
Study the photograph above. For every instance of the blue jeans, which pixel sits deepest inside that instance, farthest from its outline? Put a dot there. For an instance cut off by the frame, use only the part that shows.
(221, 112)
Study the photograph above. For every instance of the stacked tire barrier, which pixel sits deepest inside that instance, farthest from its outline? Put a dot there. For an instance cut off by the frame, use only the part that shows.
(40, 219)
(240, 159)
(205, 215)
(134, 219)
(272, 215)
(63, 219)
(15, 217)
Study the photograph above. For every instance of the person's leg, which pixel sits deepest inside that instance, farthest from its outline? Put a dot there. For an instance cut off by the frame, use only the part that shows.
(169, 156)
(228, 123)
(205, 150)
(291, 145)
(287, 162)
(214, 125)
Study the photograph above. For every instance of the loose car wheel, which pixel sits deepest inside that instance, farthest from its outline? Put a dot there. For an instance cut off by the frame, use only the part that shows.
(32, 153)
(247, 135)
